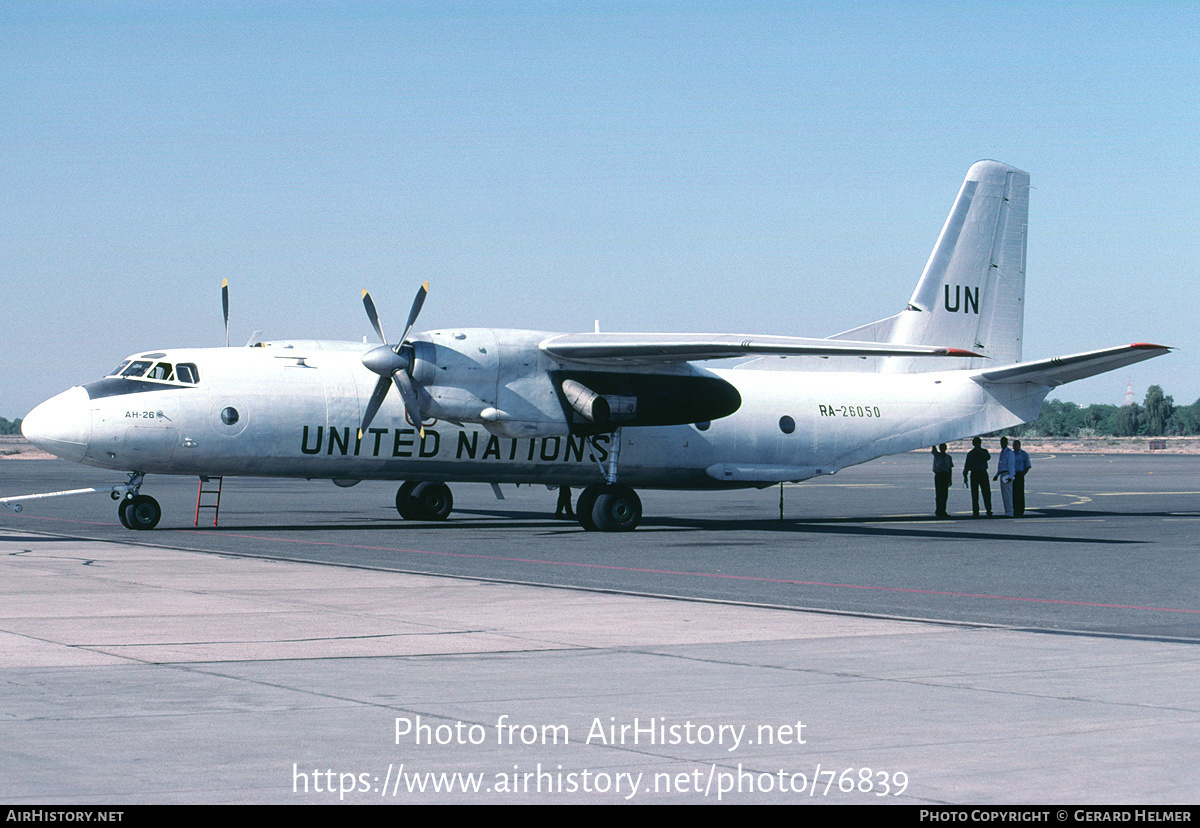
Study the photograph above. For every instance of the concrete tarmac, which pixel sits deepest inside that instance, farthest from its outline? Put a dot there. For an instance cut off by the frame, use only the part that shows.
(135, 674)
(284, 658)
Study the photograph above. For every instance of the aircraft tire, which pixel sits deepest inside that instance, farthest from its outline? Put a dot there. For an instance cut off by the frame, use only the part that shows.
(431, 501)
(121, 513)
(404, 501)
(141, 512)
(583, 506)
(617, 509)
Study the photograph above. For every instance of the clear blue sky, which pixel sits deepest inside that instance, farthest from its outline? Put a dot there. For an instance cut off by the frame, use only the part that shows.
(737, 167)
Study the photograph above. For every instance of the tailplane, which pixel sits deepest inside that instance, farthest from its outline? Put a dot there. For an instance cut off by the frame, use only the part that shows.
(1058, 370)
(972, 292)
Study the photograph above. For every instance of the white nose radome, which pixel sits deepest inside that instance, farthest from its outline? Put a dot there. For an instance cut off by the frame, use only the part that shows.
(62, 425)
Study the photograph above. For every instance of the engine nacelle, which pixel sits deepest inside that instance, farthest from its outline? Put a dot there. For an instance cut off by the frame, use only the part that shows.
(501, 380)
(495, 378)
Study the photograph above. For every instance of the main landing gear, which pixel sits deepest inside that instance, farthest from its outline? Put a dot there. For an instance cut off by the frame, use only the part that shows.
(608, 507)
(602, 507)
(136, 511)
(424, 500)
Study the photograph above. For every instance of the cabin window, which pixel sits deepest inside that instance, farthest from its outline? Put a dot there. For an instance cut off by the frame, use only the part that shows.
(186, 372)
(786, 424)
(116, 372)
(229, 415)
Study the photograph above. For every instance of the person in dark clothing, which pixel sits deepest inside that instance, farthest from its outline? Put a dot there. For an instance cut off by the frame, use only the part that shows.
(943, 477)
(564, 504)
(975, 474)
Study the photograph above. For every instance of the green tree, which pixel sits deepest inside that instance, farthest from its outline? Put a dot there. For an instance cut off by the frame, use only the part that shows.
(1159, 408)
(1185, 420)
(1126, 421)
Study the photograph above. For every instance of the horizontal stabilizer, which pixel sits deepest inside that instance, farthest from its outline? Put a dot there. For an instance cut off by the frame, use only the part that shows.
(1058, 370)
(650, 348)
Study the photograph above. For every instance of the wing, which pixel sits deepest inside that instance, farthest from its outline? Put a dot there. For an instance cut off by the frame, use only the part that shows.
(1058, 370)
(648, 348)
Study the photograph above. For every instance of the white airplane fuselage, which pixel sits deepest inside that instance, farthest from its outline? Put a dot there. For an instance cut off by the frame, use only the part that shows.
(298, 408)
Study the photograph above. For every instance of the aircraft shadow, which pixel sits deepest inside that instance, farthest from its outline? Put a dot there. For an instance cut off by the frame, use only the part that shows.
(987, 529)
(981, 529)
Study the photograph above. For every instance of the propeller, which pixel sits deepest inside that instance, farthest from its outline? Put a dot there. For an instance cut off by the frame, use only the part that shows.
(255, 338)
(225, 307)
(393, 363)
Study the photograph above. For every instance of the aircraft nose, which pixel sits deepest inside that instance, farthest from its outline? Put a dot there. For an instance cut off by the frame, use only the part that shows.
(62, 425)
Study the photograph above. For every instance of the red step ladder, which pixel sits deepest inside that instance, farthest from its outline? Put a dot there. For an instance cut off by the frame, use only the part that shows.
(214, 500)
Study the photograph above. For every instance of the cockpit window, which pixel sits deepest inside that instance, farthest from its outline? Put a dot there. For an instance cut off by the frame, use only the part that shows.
(186, 372)
(136, 368)
(161, 371)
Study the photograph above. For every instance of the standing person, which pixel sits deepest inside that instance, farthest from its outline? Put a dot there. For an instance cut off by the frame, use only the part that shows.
(564, 503)
(1021, 465)
(977, 467)
(943, 467)
(1005, 471)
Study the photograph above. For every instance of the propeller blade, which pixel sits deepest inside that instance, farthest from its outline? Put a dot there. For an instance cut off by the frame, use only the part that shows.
(225, 307)
(412, 314)
(373, 315)
(377, 397)
(409, 395)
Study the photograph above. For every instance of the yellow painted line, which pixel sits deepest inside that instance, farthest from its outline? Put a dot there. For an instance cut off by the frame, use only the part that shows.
(1078, 501)
(1125, 494)
(851, 485)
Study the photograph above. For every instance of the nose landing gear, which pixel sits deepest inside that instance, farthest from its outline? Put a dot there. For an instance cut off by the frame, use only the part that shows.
(139, 512)
(136, 511)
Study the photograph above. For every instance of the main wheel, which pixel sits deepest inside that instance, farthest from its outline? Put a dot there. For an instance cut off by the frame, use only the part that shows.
(140, 512)
(431, 501)
(617, 509)
(583, 506)
(404, 502)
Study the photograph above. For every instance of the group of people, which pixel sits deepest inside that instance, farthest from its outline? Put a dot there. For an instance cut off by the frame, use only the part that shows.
(1010, 471)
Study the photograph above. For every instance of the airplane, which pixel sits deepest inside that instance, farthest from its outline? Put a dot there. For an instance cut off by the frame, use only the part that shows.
(607, 412)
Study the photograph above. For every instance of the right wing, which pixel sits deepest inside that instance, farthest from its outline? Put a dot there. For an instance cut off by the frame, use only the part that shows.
(651, 348)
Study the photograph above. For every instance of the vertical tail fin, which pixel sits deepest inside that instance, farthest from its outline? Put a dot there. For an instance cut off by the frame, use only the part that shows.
(972, 293)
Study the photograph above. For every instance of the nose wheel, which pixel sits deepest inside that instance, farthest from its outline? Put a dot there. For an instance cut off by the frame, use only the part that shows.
(139, 512)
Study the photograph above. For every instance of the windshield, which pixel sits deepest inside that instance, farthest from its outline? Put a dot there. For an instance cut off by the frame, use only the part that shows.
(185, 372)
(136, 368)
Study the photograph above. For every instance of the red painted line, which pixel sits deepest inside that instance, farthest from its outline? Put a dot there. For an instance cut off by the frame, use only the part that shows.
(717, 575)
(679, 573)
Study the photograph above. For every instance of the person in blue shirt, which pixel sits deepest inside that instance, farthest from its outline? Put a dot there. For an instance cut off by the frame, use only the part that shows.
(1021, 467)
(1005, 472)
